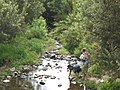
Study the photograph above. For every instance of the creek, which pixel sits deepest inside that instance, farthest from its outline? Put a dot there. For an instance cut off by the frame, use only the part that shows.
(50, 74)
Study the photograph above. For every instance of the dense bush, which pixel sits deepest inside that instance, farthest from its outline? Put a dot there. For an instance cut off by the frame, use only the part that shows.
(95, 70)
(63, 51)
(15, 55)
(15, 14)
(71, 40)
(103, 85)
(56, 11)
(34, 10)
(27, 46)
(38, 28)
(82, 44)
(26, 42)
(109, 86)
(10, 21)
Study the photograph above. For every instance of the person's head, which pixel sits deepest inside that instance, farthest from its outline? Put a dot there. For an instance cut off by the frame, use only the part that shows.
(70, 67)
(84, 50)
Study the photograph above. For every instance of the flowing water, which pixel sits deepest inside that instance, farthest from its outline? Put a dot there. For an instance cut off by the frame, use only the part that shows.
(50, 74)
(53, 74)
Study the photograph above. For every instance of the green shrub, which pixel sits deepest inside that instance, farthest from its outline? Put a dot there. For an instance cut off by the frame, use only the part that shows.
(109, 86)
(35, 45)
(63, 51)
(91, 84)
(34, 10)
(9, 51)
(16, 55)
(49, 43)
(94, 69)
(37, 29)
(103, 85)
(27, 46)
(115, 86)
(82, 44)
(71, 40)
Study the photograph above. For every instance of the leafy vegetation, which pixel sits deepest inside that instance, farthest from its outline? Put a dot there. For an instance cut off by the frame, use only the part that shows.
(104, 85)
(23, 33)
(27, 46)
(10, 21)
(93, 24)
(63, 51)
(56, 11)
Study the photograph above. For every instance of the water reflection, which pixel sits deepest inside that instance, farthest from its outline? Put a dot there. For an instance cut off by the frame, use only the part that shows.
(55, 76)
(50, 75)
(16, 84)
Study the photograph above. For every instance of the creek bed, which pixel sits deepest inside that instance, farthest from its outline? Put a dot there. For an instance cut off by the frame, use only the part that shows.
(50, 74)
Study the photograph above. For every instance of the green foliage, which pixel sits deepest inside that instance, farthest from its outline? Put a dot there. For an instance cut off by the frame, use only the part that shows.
(103, 85)
(57, 32)
(91, 84)
(56, 11)
(14, 14)
(34, 10)
(63, 51)
(82, 45)
(71, 40)
(109, 86)
(106, 21)
(7, 50)
(94, 24)
(37, 35)
(38, 29)
(73, 30)
(28, 46)
(95, 70)
(10, 20)
(68, 34)
(35, 45)
(61, 8)
(97, 21)
(16, 55)
(105, 26)
(26, 43)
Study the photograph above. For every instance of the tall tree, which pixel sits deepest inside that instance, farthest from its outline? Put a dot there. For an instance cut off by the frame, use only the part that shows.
(34, 10)
(56, 10)
(10, 20)
(105, 18)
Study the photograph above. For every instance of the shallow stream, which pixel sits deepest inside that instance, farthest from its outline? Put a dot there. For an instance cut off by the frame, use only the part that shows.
(50, 74)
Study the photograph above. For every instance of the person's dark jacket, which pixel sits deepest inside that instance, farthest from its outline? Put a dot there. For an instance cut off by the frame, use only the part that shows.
(75, 67)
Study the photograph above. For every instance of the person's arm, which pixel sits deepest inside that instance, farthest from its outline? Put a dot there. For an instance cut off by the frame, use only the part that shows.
(81, 56)
(70, 73)
(70, 70)
(88, 56)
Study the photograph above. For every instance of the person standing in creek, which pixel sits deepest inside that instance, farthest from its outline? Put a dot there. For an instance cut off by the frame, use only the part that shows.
(78, 69)
(85, 58)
